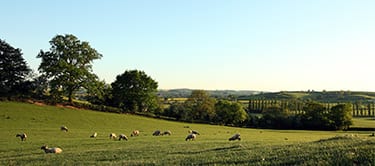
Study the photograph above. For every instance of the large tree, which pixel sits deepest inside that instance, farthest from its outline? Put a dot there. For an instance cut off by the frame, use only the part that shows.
(230, 112)
(135, 91)
(202, 106)
(315, 116)
(13, 69)
(68, 65)
(340, 116)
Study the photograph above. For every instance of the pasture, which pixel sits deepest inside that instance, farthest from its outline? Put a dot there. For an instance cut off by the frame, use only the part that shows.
(257, 147)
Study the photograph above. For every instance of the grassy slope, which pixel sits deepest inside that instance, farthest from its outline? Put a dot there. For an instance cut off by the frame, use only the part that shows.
(266, 147)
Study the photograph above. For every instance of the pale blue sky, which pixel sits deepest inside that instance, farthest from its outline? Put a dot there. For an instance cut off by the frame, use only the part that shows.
(267, 45)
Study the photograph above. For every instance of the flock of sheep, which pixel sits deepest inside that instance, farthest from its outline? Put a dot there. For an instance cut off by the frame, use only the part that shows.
(191, 136)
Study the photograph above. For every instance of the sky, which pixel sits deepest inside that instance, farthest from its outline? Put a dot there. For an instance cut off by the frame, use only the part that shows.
(264, 45)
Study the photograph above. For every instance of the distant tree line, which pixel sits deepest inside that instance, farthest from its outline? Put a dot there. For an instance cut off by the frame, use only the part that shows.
(314, 117)
(358, 108)
(200, 107)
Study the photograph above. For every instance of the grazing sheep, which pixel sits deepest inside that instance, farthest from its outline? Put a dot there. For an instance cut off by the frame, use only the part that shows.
(235, 137)
(191, 137)
(112, 136)
(166, 133)
(194, 132)
(94, 135)
(51, 150)
(23, 136)
(135, 133)
(122, 136)
(156, 133)
(64, 128)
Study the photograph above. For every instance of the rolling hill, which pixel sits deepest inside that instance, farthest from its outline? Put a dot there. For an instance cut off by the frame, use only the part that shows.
(257, 147)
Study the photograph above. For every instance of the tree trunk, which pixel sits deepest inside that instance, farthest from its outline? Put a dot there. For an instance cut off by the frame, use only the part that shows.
(70, 100)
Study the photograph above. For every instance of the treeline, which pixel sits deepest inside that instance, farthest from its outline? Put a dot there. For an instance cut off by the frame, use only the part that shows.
(358, 109)
(261, 113)
(200, 107)
(314, 117)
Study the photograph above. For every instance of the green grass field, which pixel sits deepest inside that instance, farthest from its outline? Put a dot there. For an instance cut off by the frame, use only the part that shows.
(366, 122)
(257, 147)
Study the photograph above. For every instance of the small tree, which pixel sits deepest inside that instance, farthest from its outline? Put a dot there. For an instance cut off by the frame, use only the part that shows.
(13, 70)
(340, 117)
(134, 91)
(68, 65)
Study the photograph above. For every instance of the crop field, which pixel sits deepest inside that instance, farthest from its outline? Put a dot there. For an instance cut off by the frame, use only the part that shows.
(368, 122)
(257, 146)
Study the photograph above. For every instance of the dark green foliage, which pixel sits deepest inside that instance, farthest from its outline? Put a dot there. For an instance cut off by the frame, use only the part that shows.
(315, 116)
(340, 117)
(276, 117)
(13, 71)
(202, 106)
(68, 66)
(100, 93)
(134, 91)
(179, 111)
(230, 113)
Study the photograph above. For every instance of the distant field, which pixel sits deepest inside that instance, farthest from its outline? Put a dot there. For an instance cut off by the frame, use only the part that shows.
(367, 122)
(257, 147)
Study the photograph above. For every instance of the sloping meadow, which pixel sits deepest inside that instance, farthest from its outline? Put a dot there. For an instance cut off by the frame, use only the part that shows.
(42, 125)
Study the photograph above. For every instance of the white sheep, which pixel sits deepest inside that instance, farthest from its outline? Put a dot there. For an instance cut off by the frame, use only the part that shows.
(194, 132)
(235, 137)
(191, 137)
(112, 136)
(94, 135)
(64, 128)
(135, 133)
(122, 136)
(51, 150)
(166, 132)
(156, 133)
(23, 136)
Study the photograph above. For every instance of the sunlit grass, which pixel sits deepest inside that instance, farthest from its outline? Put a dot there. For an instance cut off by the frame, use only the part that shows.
(257, 147)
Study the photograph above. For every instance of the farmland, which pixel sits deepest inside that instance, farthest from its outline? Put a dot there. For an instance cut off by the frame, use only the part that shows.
(257, 147)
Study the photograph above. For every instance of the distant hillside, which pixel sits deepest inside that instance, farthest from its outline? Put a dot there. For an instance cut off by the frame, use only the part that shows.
(325, 96)
(184, 93)
(330, 96)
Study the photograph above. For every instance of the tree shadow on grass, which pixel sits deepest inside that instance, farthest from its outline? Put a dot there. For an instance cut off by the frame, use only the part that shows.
(210, 150)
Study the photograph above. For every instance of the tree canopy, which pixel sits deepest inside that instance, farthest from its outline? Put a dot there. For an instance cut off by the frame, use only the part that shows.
(230, 112)
(340, 117)
(135, 91)
(202, 106)
(68, 65)
(13, 69)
